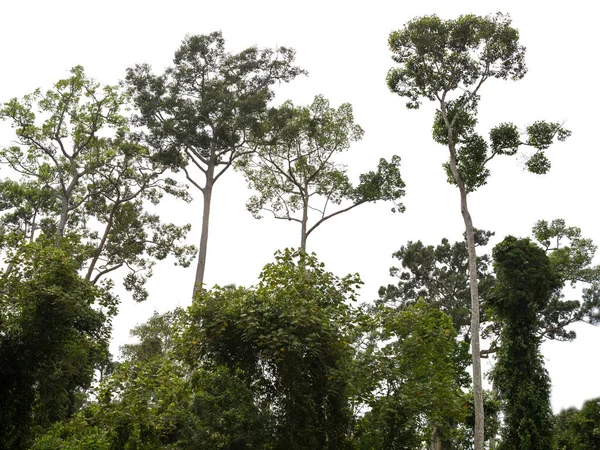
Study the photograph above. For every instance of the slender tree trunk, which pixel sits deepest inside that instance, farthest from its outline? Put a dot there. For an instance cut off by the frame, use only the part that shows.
(207, 196)
(493, 438)
(475, 345)
(473, 284)
(304, 230)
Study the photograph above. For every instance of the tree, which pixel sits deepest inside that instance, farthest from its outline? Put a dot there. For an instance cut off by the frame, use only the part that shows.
(526, 280)
(416, 379)
(83, 175)
(448, 62)
(55, 330)
(295, 172)
(289, 338)
(200, 113)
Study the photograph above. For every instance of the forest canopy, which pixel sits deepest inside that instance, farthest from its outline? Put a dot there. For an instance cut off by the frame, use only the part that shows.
(95, 179)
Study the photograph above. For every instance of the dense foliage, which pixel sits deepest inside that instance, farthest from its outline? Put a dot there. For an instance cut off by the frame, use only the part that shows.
(525, 283)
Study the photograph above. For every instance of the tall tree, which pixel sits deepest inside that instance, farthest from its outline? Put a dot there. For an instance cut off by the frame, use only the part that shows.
(201, 111)
(295, 172)
(448, 62)
(526, 283)
(83, 174)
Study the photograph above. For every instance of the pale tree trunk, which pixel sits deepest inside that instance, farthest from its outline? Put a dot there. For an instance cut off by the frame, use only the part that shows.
(436, 440)
(62, 222)
(303, 231)
(475, 345)
(64, 210)
(207, 196)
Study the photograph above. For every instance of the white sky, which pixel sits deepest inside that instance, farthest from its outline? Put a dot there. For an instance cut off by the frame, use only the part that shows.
(343, 44)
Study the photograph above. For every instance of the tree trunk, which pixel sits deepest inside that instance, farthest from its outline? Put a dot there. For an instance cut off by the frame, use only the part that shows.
(475, 345)
(436, 440)
(207, 196)
(303, 234)
(100, 247)
(62, 222)
(495, 394)
(64, 210)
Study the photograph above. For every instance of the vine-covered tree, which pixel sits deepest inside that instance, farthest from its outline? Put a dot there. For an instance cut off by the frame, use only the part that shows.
(448, 62)
(295, 173)
(526, 281)
(201, 112)
(290, 339)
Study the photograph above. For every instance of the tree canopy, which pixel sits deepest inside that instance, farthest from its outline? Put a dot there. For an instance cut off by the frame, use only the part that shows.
(201, 112)
(295, 173)
(93, 174)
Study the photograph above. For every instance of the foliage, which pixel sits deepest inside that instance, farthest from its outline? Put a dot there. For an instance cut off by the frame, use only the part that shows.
(571, 256)
(294, 171)
(526, 280)
(152, 401)
(578, 429)
(156, 337)
(55, 328)
(417, 376)
(289, 338)
(265, 367)
(83, 174)
(439, 275)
